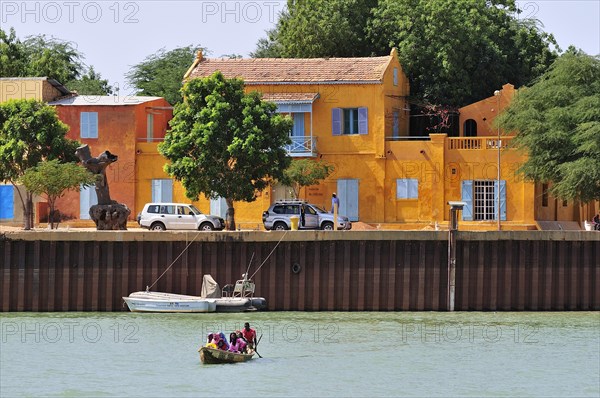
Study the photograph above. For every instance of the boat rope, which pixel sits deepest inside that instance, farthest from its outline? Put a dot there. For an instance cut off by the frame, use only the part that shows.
(263, 263)
(180, 254)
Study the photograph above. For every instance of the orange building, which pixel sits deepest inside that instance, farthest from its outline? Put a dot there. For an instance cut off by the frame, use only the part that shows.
(116, 124)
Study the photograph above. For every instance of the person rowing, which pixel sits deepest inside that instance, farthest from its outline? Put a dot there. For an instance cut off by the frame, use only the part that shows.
(249, 335)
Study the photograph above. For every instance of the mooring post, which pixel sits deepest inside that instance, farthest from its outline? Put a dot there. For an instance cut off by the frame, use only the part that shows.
(454, 208)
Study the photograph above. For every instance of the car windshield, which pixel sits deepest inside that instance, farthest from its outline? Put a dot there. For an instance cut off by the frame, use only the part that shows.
(196, 211)
(318, 209)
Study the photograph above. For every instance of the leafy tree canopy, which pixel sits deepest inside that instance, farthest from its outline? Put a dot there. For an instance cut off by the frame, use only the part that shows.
(558, 124)
(454, 52)
(304, 173)
(30, 132)
(161, 74)
(317, 28)
(90, 83)
(43, 56)
(225, 143)
(52, 179)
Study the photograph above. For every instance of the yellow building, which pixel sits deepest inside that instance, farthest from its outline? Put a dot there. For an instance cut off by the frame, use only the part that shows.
(353, 113)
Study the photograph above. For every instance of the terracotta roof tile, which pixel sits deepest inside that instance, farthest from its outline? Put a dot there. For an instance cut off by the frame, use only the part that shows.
(296, 70)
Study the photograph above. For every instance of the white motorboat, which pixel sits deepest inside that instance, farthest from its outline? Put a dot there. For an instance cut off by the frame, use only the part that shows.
(147, 301)
(233, 298)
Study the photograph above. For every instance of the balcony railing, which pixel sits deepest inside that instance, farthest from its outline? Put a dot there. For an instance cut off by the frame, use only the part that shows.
(478, 143)
(302, 146)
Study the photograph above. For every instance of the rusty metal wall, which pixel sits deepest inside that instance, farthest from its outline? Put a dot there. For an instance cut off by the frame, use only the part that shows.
(306, 274)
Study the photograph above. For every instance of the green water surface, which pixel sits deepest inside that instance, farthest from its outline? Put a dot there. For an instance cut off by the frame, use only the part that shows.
(539, 354)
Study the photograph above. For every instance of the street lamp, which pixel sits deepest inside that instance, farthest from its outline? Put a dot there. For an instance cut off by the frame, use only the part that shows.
(497, 94)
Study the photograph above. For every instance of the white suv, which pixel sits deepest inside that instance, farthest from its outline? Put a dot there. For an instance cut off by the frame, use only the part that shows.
(310, 216)
(163, 216)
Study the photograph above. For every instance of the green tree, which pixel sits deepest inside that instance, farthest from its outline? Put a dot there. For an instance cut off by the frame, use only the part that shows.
(317, 28)
(225, 143)
(30, 132)
(53, 179)
(91, 84)
(161, 74)
(12, 56)
(454, 52)
(268, 47)
(557, 123)
(51, 57)
(305, 172)
(41, 56)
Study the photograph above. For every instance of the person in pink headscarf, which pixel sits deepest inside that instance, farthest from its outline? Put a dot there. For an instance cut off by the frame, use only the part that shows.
(236, 344)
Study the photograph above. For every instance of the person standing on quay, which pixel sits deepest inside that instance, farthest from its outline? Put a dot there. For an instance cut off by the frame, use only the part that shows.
(335, 203)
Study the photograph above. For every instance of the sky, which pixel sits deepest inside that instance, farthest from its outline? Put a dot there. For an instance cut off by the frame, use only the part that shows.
(114, 35)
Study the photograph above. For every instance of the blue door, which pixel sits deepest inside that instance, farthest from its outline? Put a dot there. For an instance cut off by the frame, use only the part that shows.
(162, 190)
(7, 205)
(218, 207)
(87, 198)
(347, 193)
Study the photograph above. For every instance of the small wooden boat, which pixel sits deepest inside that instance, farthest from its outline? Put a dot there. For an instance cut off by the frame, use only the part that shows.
(210, 356)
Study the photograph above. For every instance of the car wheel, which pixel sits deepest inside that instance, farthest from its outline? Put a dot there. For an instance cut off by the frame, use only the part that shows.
(206, 227)
(327, 226)
(279, 226)
(157, 226)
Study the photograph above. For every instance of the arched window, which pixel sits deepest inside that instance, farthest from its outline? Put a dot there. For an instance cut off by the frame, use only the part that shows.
(470, 128)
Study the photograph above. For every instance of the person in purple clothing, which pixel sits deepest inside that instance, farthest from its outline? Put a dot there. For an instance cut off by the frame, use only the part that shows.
(335, 202)
(236, 344)
(220, 341)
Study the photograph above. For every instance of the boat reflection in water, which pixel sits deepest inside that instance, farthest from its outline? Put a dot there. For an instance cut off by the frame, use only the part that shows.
(232, 298)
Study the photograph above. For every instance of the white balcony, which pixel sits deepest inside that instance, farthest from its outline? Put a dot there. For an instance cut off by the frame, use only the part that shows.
(302, 146)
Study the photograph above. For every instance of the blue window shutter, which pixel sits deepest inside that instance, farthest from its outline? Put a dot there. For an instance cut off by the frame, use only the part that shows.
(218, 207)
(401, 188)
(336, 121)
(93, 125)
(167, 191)
(83, 124)
(87, 198)
(396, 125)
(155, 191)
(298, 128)
(395, 76)
(84, 204)
(467, 197)
(363, 121)
(162, 190)
(502, 198)
(413, 188)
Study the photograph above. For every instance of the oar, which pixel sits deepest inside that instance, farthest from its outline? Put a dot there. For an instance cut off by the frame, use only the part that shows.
(256, 346)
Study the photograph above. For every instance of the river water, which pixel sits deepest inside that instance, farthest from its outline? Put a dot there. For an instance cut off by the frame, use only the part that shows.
(304, 354)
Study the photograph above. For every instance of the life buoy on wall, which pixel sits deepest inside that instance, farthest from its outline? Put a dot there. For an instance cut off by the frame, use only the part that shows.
(296, 268)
